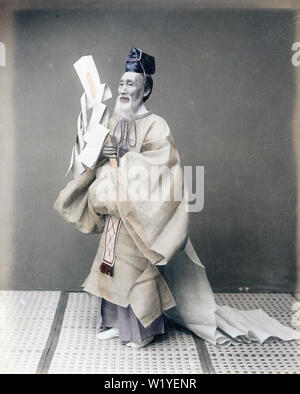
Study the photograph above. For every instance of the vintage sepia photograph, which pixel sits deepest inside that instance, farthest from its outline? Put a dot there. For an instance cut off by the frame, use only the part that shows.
(150, 189)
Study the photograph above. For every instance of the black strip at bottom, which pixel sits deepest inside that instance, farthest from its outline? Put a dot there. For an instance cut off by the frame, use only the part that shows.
(205, 360)
(48, 353)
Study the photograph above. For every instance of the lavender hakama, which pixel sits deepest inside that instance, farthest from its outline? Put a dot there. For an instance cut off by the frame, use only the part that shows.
(130, 328)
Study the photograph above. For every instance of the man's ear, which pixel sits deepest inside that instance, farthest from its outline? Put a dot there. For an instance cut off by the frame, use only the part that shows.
(146, 92)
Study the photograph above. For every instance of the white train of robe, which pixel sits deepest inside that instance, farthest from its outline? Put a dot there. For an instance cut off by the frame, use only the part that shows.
(197, 310)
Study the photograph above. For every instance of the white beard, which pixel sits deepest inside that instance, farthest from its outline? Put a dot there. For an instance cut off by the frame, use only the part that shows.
(128, 109)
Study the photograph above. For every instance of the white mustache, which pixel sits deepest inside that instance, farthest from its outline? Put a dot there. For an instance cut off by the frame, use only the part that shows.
(124, 96)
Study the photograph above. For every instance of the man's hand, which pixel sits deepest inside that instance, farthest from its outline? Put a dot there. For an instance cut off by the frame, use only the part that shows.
(109, 150)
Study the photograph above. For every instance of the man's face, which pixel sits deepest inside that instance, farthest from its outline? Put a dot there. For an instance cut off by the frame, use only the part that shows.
(131, 89)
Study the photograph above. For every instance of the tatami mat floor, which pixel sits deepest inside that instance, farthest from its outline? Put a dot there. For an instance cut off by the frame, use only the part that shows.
(26, 318)
(54, 332)
(78, 350)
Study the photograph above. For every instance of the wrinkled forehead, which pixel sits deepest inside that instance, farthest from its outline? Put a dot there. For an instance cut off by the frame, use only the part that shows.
(136, 78)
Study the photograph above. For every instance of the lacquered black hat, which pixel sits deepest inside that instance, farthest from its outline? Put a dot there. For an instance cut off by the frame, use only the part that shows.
(140, 62)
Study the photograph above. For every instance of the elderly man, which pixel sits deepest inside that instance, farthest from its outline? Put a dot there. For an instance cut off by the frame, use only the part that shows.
(130, 127)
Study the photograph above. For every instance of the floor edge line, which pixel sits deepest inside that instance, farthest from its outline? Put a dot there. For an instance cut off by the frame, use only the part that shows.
(53, 337)
(203, 355)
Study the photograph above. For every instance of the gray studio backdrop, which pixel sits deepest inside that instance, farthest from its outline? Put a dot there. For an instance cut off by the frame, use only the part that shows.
(224, 83)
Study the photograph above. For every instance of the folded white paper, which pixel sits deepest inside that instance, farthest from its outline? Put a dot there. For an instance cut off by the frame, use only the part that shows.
(95, 137)
(89, 78)
(91, 133)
